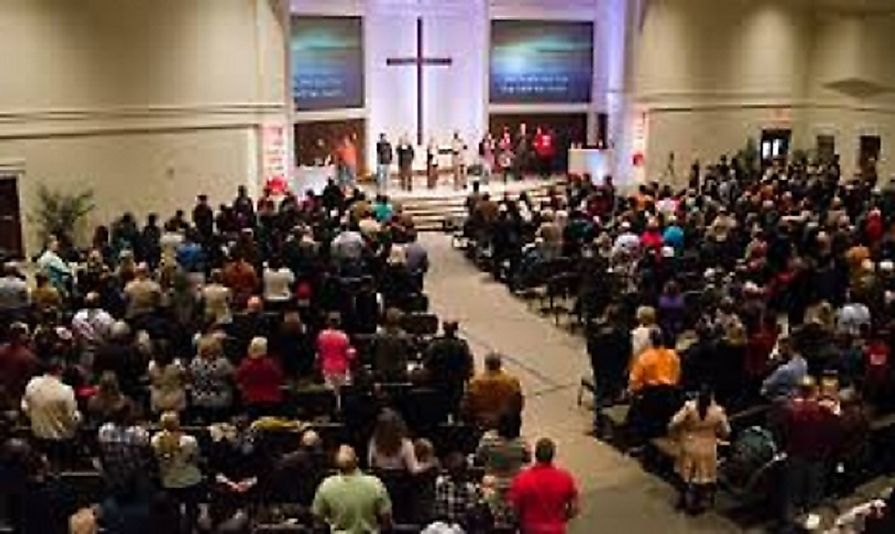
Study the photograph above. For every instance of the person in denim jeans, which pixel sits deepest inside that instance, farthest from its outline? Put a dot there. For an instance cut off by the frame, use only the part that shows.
(384, 156)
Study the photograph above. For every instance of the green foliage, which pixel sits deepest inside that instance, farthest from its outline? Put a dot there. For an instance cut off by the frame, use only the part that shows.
(750, 158)
(59, 212)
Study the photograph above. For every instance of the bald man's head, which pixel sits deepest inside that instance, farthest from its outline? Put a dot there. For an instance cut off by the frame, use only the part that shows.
(310, 439)
(346, 459)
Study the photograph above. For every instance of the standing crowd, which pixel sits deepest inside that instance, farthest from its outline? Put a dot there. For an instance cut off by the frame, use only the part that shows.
(768, 292)
(268, 362)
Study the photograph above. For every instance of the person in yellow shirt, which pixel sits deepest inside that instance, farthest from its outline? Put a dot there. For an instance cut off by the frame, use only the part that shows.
(492, 393)
(653, 386)
(656, 366)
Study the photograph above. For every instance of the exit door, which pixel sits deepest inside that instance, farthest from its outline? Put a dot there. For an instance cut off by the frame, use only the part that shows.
(10, 218)
(774, 145)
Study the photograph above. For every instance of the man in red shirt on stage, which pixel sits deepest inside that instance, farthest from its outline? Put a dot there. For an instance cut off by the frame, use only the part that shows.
(544, 497)
(545, 150)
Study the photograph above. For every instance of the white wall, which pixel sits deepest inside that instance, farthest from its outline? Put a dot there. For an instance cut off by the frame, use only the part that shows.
(144, 102)
(457, 97)
(453, 96)
(710, 74)
(852, 87)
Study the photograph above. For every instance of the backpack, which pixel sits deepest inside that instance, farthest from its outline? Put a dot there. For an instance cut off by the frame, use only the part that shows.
(752, 449)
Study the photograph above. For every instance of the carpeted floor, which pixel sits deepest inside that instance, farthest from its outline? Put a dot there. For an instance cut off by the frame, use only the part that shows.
(617, 495)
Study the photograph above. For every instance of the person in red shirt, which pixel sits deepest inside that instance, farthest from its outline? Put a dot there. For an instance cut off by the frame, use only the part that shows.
(241, 278)
(259, 379)
(651, 238)
(544, 149)
(874, 227)
(808, 438)
(544, 497)
(17, 365)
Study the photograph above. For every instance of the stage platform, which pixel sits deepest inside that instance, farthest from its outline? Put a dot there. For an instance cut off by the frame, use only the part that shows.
(431, 207)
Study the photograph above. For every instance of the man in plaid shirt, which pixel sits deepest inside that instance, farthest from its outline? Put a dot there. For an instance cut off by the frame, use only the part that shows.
(455, 494)
(124, 448)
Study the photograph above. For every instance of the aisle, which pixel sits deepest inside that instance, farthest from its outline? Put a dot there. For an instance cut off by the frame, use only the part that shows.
(617, 496)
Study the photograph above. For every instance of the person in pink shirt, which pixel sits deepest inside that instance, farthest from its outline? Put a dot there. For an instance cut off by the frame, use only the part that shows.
(334, 354)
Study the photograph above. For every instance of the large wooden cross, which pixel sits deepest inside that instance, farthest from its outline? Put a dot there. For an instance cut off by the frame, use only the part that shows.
(419, 61)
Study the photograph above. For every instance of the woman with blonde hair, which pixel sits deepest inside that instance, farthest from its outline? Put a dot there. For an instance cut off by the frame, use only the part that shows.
(259, 379)
(217, 299)
(167, 381)
(177, 455)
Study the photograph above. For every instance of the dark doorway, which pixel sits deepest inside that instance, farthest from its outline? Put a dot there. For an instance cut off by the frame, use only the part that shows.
(868, 156)
(774, 145)
(10, 218)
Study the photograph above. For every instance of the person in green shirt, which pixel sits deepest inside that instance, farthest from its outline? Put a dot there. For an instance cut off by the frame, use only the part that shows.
(351, 502)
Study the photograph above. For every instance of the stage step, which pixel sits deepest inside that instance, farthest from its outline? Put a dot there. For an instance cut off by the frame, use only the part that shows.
(430, 208)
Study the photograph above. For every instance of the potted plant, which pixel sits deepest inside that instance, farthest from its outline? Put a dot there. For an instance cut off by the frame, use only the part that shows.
(749, 158)
(58, 213)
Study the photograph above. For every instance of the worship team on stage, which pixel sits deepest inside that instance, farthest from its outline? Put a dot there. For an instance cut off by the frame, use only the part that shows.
(512, 155)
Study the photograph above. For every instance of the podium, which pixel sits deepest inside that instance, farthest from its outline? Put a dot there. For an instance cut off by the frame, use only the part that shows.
(311, 177)
(593, 161)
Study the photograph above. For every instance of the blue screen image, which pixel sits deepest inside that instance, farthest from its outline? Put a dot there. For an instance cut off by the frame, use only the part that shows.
(535, 61)
(327, 58)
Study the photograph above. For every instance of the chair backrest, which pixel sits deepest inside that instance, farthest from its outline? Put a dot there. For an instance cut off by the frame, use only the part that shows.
(88, 485)
(308, 403)
(420, 324)
(423, 409)
(418, 303)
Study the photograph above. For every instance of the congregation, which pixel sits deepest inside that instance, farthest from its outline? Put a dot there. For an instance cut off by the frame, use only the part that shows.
(238, 369)
(234, 371)
(751, 308)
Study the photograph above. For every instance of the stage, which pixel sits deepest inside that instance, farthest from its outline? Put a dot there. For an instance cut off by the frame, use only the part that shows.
(430, 207)
(445, 187)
